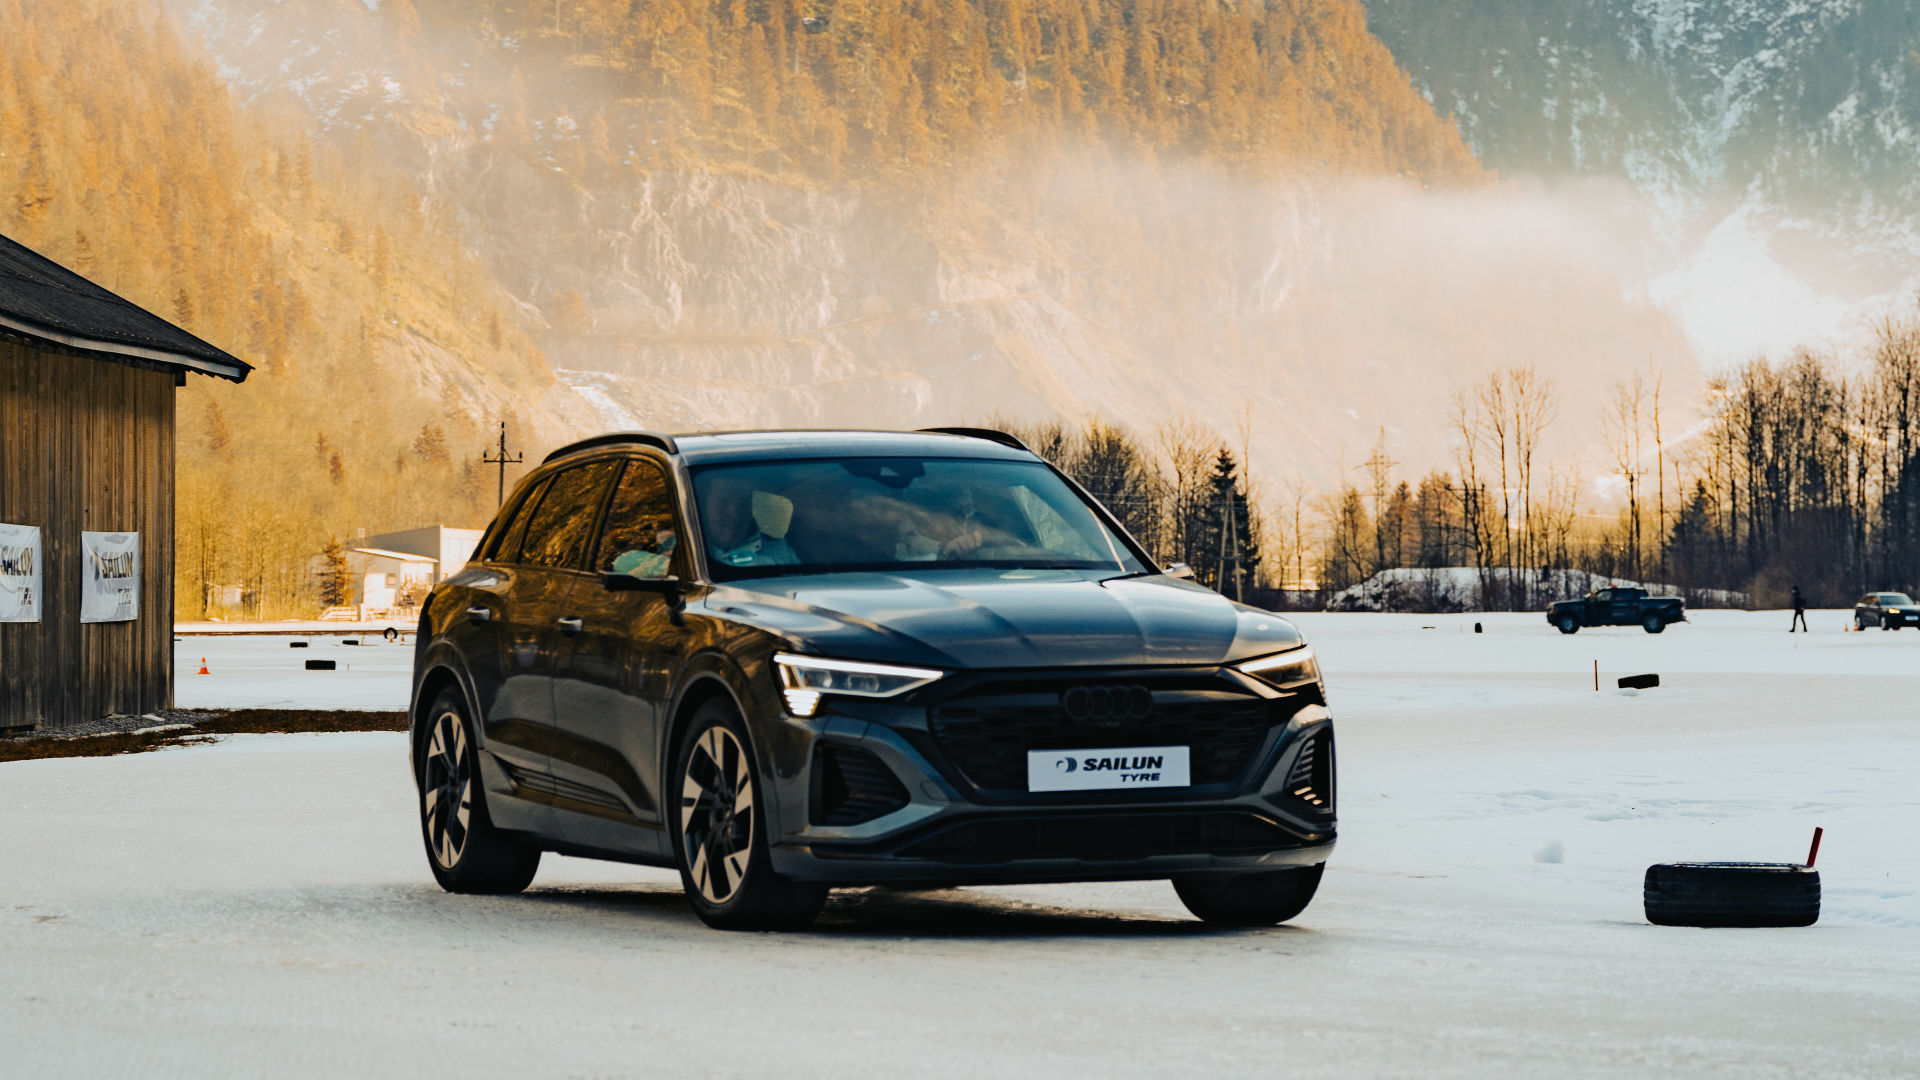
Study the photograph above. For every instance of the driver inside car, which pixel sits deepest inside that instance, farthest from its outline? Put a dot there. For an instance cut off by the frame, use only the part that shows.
(733, 535)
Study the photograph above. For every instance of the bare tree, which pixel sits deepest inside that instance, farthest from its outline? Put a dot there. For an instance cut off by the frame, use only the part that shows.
(1622, 421)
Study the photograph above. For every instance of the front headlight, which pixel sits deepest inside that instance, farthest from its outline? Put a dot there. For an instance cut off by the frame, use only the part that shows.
(1287, 670)
(804, 678)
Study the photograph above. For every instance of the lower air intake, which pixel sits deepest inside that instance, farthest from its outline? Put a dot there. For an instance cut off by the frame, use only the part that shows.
(1105, 836)
(851, 786)
(1311, 778)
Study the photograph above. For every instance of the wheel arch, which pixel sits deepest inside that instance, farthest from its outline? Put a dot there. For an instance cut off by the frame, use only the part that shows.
(438, 676)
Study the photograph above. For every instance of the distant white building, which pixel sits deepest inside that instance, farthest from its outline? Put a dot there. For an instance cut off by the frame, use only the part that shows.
(448, 548)
(385, 581)
(392, 572)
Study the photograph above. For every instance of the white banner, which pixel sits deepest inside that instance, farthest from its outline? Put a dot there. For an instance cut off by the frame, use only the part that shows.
(19, 573)
(109, 577)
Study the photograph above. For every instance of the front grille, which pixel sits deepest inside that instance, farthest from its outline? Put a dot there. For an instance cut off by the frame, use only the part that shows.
(851, 786)
(1311, 778)
(987, 735)
(1104, 836)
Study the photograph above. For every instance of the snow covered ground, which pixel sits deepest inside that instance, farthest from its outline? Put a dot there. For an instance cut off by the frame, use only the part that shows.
(261, 672)
(262, 905)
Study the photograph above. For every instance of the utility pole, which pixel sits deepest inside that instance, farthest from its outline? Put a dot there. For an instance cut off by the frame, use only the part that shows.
(503, 460)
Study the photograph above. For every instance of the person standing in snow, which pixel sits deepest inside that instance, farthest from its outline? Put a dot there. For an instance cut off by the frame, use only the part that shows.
(1799, 612)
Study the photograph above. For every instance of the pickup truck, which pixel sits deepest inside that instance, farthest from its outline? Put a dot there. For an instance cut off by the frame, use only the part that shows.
(1618, 606)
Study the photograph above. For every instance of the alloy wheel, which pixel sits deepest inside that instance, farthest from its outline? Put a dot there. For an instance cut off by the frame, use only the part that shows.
(717, 814)
(446, 790)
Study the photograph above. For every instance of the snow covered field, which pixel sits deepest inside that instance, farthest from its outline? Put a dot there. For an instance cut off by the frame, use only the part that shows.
(260, 672)
(262, 906)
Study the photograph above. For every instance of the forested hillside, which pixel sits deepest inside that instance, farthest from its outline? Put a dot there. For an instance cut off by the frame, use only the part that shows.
(382, 346)
(423, 216)
(732, 214)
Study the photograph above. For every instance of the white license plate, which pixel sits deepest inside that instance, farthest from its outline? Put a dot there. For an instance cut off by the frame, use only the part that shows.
(1108, 768)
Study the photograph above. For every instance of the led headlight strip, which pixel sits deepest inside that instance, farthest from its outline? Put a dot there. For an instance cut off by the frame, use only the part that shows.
(1287, 670)
(803, 679)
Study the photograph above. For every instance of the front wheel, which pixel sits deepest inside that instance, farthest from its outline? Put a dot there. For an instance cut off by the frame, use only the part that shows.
(1653, 623)
(1568, 624)
(1263, 898)
(720, 833)
(466, 853)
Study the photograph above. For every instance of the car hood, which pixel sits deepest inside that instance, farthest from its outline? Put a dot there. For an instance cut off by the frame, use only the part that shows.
(1006, 619)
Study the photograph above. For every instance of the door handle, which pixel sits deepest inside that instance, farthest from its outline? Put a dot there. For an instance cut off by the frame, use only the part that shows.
(479, 614)
(570, 624)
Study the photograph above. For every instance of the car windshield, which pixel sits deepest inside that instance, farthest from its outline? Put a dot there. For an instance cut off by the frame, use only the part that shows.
(897, 513)
(1895, 599)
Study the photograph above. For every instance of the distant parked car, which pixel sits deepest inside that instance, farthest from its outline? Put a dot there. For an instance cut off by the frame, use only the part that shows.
(1886, 610)
(1618, 606)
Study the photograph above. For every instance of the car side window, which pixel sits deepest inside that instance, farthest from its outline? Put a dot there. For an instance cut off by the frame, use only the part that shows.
(504, 544)
(1604, 595)
(640, 537)
(559, 529)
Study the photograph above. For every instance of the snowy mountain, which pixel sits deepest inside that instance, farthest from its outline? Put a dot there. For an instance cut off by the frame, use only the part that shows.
(1779, 140)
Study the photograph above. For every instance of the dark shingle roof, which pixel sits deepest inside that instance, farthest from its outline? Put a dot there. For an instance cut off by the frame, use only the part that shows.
(44, 301)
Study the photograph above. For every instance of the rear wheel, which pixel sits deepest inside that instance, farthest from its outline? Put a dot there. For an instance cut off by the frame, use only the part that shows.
(1653, 623)
(1859, 621)
(720, 833)
(1568, 624)
(467, 854)
(1257, 899)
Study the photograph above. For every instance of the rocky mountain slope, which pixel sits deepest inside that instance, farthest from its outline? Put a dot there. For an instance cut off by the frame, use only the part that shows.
(1779, 142)
(804, 213)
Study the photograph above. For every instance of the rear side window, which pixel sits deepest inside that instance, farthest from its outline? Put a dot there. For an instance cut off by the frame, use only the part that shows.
(557, 532)
(640, 537)
(504, 544)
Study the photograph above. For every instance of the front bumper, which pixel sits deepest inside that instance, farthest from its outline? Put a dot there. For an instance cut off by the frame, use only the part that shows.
(949, 830)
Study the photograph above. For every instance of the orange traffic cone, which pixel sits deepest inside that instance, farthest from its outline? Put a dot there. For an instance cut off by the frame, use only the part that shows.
(203, 667)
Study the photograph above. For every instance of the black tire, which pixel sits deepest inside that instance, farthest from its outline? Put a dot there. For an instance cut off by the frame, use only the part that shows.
(1884, 625)
(1732, 894)
(1257, 899)
(469, 856)
(1568, 624)
(720, 840)
(1652, 622)
(1859, 621)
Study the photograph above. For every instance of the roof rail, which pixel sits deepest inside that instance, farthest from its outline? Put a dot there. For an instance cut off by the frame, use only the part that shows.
(644, 438)
(988, 434)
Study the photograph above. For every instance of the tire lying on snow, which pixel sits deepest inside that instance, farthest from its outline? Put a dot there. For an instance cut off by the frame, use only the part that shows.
(1732, 894)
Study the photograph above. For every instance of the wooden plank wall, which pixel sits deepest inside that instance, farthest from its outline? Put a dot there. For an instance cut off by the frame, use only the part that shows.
(86, 445)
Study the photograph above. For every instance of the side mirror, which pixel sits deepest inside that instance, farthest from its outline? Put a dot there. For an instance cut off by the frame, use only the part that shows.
(1180, 570)
(671, 588)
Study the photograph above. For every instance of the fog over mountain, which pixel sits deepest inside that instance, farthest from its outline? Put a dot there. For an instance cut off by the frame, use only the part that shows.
(1777, 144)
(698, 240)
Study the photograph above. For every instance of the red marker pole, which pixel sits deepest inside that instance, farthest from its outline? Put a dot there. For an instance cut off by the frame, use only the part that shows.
(1814, 852)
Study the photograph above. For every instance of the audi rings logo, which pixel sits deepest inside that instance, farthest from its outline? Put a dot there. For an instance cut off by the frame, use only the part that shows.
(1107, 704)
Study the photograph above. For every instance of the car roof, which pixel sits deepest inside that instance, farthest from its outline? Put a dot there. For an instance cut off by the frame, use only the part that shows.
(715, 447)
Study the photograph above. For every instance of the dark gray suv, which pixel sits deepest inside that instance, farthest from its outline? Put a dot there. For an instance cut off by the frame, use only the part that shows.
(1886, 610)
(785, 661)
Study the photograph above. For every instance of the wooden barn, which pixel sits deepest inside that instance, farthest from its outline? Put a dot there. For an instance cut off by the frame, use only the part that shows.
(87, 385)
